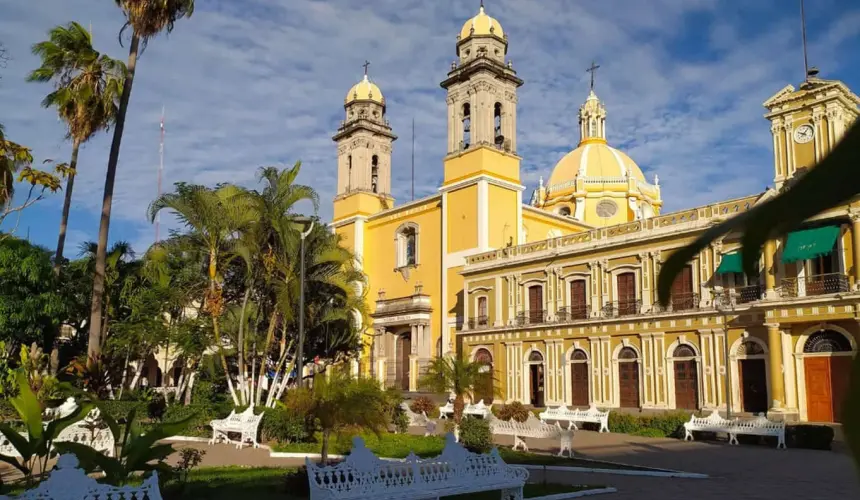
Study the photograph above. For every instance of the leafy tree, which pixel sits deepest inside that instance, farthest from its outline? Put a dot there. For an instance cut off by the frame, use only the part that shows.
(32, 305)
(146, 18)
(87, 88)
(454, 375)
(832, 183)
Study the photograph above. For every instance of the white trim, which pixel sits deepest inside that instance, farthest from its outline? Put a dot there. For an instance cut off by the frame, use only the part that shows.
(483, 215)
(458, 259)
(445, 333)
(567, 363)
(400, 244)
(735, 359)
(670, 372)
(615, 395)
(583, 162)
(622, 167)
(481, 177)
(519, 240)
(358, 248)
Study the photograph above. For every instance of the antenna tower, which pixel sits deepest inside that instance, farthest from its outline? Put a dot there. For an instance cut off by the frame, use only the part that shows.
(160, 173)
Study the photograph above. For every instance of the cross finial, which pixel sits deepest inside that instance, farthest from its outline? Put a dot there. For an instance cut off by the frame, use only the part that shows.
(366, 64)
(592, 70)
(482, 4)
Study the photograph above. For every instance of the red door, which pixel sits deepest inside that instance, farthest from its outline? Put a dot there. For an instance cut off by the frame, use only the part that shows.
(819, 395)
(628, 374)
(682, 290)
(579, 381)
(626, 294)
(578, 306)
(535, 304)
(686, 385)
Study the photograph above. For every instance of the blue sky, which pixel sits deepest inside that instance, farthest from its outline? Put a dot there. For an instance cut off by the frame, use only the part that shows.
(261, 82)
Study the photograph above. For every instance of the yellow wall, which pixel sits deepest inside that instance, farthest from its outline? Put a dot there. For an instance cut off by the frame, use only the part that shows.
(502, 216)
(482, 160)
(463, 219)
(363, 204)
(538, 224)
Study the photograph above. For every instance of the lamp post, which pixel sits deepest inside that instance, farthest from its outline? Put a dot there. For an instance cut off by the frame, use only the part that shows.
(301, 346)
(725, 304)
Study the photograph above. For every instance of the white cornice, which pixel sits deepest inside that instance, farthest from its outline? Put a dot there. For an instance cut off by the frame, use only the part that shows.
(481, 177)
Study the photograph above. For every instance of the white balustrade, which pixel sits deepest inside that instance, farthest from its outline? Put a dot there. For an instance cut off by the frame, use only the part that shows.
(572, 416)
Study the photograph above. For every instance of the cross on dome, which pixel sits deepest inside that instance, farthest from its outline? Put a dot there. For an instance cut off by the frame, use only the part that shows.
(593, 69)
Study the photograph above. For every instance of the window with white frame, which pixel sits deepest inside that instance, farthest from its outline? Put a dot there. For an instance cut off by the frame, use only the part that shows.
(406, 241)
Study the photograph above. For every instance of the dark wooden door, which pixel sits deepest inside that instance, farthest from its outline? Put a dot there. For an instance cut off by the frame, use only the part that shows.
(819, 395)
(535, 304)
(840, 374)
(682, 290)
(579, 382)
(578, 305)
(753, 383)
(628, 374)
(404, 349)
(626, 284)
(536, 379)
(686, 385)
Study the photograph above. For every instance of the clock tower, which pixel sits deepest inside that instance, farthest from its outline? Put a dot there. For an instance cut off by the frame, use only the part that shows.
(807, 122)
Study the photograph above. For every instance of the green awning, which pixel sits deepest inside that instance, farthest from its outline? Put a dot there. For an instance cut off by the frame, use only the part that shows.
(731, 263)
(809, 243)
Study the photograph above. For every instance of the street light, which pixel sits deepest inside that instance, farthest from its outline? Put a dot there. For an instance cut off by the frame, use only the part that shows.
(300, 349)
(725, 304)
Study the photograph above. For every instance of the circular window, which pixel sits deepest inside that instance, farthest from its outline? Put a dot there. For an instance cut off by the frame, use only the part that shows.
(607, 208)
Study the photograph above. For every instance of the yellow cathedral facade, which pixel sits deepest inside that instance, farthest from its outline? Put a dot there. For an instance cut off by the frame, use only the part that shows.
(557, 292)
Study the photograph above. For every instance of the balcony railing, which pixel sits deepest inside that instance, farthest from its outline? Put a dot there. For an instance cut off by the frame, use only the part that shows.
(622, 308)
(573, 313)
(536, 317)
(478, 322)
(739, 295)
(820, 284)
(678, 302)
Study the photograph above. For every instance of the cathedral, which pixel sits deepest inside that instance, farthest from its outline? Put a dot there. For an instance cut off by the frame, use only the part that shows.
(557, 292)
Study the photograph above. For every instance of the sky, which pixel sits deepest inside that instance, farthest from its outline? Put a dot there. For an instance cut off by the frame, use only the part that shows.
(247, 83)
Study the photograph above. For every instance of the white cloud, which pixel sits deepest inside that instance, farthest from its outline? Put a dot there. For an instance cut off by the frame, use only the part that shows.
(258, 82)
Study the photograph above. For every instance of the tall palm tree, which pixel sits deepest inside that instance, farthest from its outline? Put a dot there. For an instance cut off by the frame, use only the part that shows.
(146, 18)
(214, 216)
(87, 86)
(120, 267)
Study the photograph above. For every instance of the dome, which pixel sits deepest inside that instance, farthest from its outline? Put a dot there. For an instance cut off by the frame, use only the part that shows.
(482, 24)
(365, 90)
(593, 159)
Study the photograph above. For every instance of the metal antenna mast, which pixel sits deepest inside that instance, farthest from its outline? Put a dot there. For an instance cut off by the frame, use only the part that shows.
(413, 158)
(803, 34)
(160, 173)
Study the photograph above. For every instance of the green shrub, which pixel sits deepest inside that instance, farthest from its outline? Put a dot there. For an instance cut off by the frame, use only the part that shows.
(401, 422)
(426, 405)
(206, 392)
(7, 411)
(296, 483)
(156, 407)
(669, 423)
(624, 423)
(118, 410)
(199, 424)
(283, 426)
(649, 432)
(475, 434)
(514, 410)
(813, 437)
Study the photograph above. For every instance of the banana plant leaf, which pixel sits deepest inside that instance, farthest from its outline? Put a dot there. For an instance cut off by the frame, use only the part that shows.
(834, 182)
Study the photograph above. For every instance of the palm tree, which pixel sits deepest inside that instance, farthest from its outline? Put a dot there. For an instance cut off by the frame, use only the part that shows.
(454, 375)
(214, 216)
(13, 156)
(87, 89)
(120, 268)
(147, 18)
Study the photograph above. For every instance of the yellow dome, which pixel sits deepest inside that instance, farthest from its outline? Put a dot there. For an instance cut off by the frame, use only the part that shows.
(364, 90)
(482, 24)
(593, 158)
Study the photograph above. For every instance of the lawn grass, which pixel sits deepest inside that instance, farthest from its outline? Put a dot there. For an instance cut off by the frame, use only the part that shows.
(400, 445)
(231, 483)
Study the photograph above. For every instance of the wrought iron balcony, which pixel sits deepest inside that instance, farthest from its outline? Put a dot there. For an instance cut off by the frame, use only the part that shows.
(739, 295)
(478, 322)
(573, 313)
(536, 317)
(678, 302)
(621, 308)
(819, 284)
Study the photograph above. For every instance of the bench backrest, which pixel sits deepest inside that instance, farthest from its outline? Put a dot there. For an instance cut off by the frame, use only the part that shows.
(760, 422)
(363, 474)
(68, 482)
(712, 420)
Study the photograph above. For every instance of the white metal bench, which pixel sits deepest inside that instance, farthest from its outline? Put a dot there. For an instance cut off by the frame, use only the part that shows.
(245, 424)
(476, 410)
(419, 420)
(572, 416)
(759, 426)
(90, 431)
(533, 428)
(68, 482)
(362, 475)
(712, 423)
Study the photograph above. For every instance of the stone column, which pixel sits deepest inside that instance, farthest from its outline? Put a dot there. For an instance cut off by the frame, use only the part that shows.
(777, 385)
(769, 269)
(855, 247)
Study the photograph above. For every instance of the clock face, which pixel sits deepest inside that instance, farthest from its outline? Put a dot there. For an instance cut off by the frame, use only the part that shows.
(803, 134)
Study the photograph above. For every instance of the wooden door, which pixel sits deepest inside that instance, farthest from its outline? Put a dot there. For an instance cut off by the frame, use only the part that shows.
(840, 374)
(626, 284)
(404, 349)
(686, 385)
(628, 375)
(578, 305)
(682, 290)
(753, 384)
(536, 304)
(579, 383)
(819, 395)
(536, 379)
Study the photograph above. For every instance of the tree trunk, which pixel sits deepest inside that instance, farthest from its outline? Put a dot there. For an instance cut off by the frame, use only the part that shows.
(124, 373)
(216, 327)
(67, 204)
(324, 450)
(137, 374)
(240, 348)
(459, 406)
(94, 348)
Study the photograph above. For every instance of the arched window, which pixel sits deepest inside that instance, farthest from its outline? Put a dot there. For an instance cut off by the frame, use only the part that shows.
(374, 174)
(484, 389)
(592, 128)
(497, 122)
(579, 356)
(749, 348)
(627, 354)
(827, 341)
(684, 351)
(535, 357)
(565, 211)
(467, 125)
(406, 241)
(482, 311)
